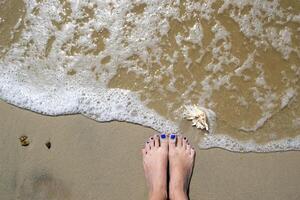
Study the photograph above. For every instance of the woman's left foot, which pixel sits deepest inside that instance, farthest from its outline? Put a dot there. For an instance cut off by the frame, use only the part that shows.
(155, 161)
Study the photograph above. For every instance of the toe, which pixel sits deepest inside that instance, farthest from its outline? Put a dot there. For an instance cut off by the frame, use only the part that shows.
(156, 141)
(184, 142)
(147, 146)
(172, 140)
(151, 142)
(163, 141)
(144, 152)
(188, 149)
(193, 152)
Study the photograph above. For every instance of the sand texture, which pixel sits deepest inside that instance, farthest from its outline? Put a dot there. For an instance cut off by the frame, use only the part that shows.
(90, 160)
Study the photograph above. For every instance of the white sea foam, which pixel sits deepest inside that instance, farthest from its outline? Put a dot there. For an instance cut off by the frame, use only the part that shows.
(95, 103)
(226, 142)
(68, 53)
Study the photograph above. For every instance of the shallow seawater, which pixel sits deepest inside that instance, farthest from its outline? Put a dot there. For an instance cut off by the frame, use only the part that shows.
(142, 61)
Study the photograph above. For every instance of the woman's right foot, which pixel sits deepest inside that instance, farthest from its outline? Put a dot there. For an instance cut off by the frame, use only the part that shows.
(181, 163)
(155, 157)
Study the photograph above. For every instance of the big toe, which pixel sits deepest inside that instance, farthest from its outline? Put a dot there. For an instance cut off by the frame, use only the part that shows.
(163, 141)
(172, 141)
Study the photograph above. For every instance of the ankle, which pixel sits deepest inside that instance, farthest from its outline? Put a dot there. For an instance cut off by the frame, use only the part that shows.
(158, 195)
(178, 194)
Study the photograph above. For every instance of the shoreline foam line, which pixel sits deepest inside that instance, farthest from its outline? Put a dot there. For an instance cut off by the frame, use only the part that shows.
(233, 145)
(123, 105)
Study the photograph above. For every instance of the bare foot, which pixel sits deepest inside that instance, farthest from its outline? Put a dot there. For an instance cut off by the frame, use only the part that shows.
(155, 160)
(181, 162)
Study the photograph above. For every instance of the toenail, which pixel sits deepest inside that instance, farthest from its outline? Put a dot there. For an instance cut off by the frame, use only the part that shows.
(147, 142)
(151, 138)
(184, 138)
(172, 136)
(163, 136)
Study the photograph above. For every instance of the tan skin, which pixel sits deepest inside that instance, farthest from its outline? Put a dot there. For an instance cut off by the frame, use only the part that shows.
(158, 152)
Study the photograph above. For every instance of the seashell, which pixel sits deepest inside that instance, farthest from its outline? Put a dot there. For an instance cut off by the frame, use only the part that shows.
(197, 116)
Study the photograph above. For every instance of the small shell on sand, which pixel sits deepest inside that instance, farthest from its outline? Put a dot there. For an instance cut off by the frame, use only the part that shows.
(23, 140)
(198, 116)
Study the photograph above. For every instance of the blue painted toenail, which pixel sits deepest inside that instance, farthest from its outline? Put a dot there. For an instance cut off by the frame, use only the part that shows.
(172, 136)
(163, 136)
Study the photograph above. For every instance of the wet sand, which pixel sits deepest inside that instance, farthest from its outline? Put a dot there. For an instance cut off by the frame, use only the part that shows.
(91, 160)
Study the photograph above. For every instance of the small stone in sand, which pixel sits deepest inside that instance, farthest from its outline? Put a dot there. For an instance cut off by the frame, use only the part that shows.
(24, 141)
(48, 144)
